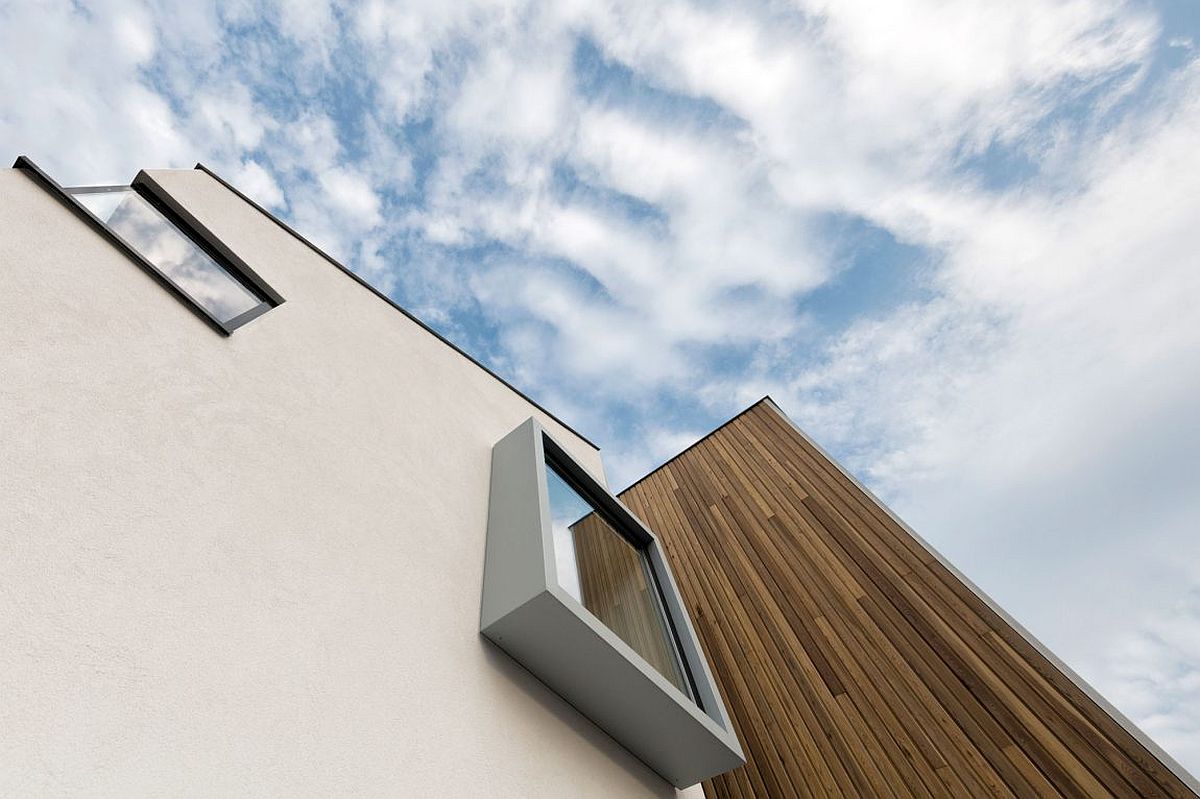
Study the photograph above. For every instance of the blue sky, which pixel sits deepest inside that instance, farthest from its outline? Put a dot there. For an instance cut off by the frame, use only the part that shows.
(956, 242)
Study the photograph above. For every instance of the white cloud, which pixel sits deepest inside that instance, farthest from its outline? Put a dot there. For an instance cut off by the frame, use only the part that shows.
(388, 163)
(230, 113)
(512, 99)
(1154, 674)
(351, 195)
(258, 184)
(310, 22)
(133, 34)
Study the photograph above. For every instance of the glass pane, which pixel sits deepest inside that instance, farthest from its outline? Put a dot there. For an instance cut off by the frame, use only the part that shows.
(610, 577)
(129, 215)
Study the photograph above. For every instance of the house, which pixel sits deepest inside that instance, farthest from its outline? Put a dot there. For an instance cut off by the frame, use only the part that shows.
(264, 533)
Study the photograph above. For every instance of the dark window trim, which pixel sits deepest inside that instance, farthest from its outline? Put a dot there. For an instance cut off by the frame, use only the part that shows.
(171, 208)
(177, 215)
(628, 527)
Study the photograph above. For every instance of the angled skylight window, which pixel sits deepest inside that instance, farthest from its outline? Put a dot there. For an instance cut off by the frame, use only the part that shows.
(163, 238)
(196, 273)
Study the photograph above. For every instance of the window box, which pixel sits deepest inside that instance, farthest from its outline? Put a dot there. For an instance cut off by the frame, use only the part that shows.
(577, 590)
(160, 236)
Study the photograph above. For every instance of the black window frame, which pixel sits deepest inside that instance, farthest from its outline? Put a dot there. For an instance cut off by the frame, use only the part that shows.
(616, 516)
(187, 224)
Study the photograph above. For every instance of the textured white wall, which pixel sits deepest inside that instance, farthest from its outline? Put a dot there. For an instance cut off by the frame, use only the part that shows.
(251, 566)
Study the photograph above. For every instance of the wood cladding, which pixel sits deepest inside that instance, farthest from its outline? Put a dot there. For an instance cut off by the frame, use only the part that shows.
(616, 588)
(852, 660)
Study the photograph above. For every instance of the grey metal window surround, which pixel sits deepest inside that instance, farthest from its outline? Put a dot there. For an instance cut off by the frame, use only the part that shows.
(528, 612)
(158, 234)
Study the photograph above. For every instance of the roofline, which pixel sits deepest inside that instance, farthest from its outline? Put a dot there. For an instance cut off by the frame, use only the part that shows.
(289, 229)
(698, 442)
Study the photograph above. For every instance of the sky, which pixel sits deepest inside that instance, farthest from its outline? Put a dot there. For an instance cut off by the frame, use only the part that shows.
(956, 241)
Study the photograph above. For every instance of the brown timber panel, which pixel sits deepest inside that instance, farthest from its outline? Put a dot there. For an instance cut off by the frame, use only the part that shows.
(852, 661)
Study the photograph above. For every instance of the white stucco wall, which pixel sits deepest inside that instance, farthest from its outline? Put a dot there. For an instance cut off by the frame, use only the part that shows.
(251, 566)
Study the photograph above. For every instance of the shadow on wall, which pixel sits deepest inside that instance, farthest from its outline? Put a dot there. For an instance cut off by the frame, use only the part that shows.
(574, 721)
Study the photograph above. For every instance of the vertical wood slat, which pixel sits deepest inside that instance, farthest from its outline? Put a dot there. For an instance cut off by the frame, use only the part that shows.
(853, 662)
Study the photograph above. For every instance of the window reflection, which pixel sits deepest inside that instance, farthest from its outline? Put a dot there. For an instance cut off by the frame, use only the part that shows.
(157, 240)
(610, 577)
